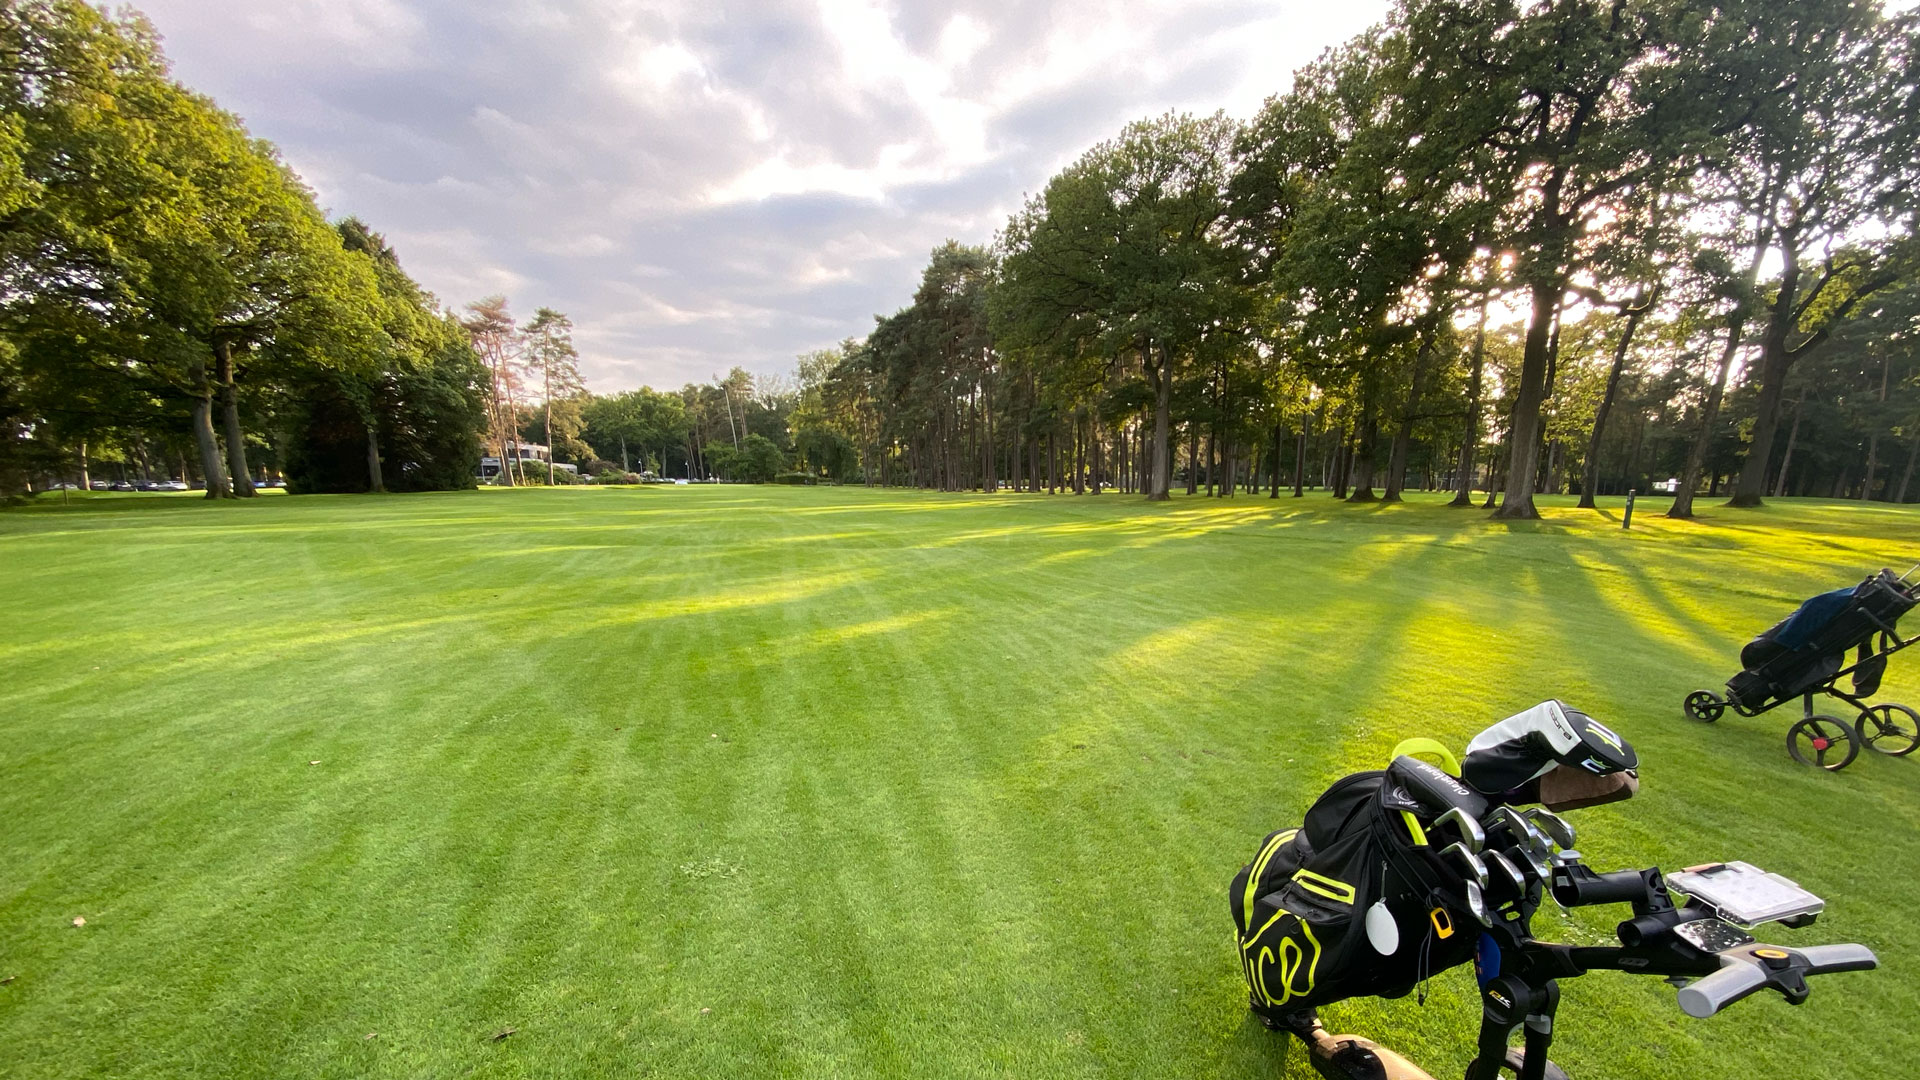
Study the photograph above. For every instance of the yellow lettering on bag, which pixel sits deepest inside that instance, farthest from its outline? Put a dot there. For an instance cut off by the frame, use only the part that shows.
(1294, 962)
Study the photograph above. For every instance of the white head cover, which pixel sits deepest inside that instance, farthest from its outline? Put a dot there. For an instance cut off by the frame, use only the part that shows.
(1532, 743)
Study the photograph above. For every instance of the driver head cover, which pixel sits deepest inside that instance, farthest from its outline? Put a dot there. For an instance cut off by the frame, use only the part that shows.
(1528, 745)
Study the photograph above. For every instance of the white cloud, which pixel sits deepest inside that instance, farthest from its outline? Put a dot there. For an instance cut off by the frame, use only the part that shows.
(701, 185)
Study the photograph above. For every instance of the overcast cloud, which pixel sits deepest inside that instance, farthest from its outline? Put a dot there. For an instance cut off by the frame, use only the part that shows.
(704, 184)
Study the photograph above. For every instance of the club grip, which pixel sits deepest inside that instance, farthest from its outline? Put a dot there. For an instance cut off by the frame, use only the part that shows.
(1735, 980)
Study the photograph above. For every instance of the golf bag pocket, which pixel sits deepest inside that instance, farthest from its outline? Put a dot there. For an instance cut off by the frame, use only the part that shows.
(1301, 908)
(1869, 668)
(1748, 688)
(1303, 939)
(1298, 936)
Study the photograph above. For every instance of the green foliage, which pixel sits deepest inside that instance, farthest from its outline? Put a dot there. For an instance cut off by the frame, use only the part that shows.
(634, 422)
(162, 267)
(420, 396)
(757, 460)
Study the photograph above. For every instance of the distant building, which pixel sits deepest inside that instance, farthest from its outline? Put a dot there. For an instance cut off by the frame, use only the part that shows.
(526, 453)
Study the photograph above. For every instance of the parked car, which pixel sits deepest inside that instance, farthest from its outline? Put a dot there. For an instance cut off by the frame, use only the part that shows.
(122, 485)
(170, 485)
(100, 485)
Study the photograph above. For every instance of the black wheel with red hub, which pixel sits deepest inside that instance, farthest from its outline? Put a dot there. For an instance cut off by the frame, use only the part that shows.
(1824, 742)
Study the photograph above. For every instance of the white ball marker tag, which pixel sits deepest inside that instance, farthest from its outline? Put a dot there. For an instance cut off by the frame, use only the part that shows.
(1382, 932)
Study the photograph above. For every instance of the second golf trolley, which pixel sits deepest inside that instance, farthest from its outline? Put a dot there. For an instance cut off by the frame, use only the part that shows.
(1843, 634)
(1398, 874)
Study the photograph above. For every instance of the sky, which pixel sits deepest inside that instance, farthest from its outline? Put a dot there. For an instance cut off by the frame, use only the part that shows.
(701, 185)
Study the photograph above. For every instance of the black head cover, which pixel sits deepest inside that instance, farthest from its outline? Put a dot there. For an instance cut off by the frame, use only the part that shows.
(1415, 785)
(1527, 745)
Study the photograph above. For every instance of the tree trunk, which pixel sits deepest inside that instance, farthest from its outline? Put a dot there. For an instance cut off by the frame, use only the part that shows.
(1361, 464)
(1470, 436)
(1524, 436)
(1077, 458)
(86, 479)
(1342, 463)
(1300, 460)
(1873, 440)
(1403, 432)
(1273, 492)
(1493, 484)
(203, 437)
(1590, 472)
(1162, 453)
(1097, 464)
(375, 481)
(1793, 436)
(1193, 458)
(549, 405)
(1913, 455)
(240, 477)
(1697, 456)
(1775, 360)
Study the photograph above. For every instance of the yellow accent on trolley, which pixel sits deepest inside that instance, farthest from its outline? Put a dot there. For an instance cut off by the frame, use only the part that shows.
(1442, 923)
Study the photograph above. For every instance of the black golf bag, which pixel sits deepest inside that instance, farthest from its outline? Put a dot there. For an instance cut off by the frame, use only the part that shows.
(1362, 900)
(1302, 905)
(1807, 650)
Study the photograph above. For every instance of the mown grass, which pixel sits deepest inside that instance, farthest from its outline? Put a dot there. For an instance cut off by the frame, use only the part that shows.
(762, 782)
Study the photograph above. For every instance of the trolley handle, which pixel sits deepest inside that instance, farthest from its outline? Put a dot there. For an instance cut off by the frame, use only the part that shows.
(1745, 971)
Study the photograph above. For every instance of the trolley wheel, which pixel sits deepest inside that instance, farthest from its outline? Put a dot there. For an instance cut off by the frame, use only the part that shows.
(1515, 1061)
(1825, 742)
(1705, 706)
(1889, 729)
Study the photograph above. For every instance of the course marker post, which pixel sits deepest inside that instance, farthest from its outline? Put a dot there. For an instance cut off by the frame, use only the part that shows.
(1626, 519)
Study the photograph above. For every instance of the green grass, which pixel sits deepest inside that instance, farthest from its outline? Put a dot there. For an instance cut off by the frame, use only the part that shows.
(806, 782)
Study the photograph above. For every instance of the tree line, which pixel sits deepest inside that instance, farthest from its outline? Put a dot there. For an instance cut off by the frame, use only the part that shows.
(173, 303)
(1493, 247)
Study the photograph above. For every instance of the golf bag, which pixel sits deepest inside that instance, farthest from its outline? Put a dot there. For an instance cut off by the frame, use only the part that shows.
(1303, 905)
(1807, 650)
(1362, 901)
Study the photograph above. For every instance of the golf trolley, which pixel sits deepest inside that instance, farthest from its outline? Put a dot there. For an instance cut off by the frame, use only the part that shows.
(1807, 654)
(1396, 874)
(1700, 944)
